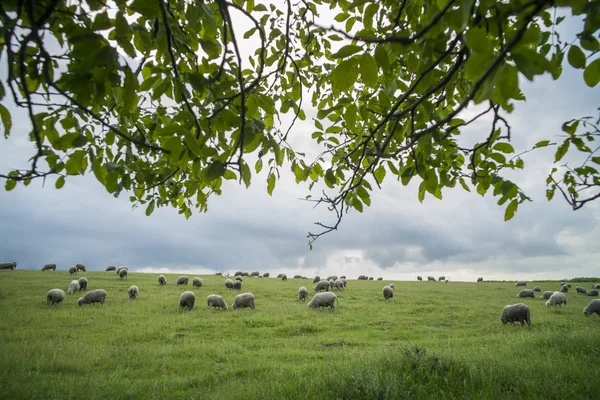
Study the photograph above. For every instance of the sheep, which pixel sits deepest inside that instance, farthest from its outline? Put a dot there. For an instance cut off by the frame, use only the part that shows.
(526, 293)
(266, 275)
(392, 286)
(182, 280)
(245, 274)
(343, 277)
(279, 276)
(563, 283)
(297, 276)
(338, 284)
(243, 300)
(569, 285)
(592, 293)
(430, 278)
(580, 290)
(73, 287)
(370, 278)
(237, 273)
(331, 283)
(123, 273)
(197, 282)
(323, 300)
(419, 278)
(49, 267)
(83, 282)
(216, 301)
(284, 277)
(187, 299)
(520, 283)
(322, 285)
(162, 280)
(362, 278)
(255, 273)
(379, 278)
(55, 296)
(8, 265)
(133, 292)
(229, 284)
(480, 279)
(93, 296)
(441, 278)
(73, 270)
(316, 279)
(334, 277)
(597, 286)
(546, 295)
(80, 267)
(118, 270)
(111, 268)
(345, 282)
(592, 307)
(557, 299)
(302, 293)
(388, 292)
(516, 312)
(237, 285)
(537, 289)
(564, 288)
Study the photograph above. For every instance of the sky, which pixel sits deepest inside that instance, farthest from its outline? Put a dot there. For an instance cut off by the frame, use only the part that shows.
(464, 236)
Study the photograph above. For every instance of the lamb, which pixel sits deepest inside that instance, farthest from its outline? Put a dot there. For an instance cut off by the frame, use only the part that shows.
(111, 268)
(80, 267)
(187, 299)
(430, 278)
(520, 283)
(517, 312)
(592, 293)
(526, 293)
(73, 287)
(197, 282)
(133, 292)
(419, 278)
(49, 267)
(229, 284)
(302, 293)
(597, 286)
(537, 289)
(83, 282)
(239, 278)
(323, 300)
(322, 285)
(334, 277)
(284, 277)
(216, 301)
(162, 280)
(316, 279)
(592, 307)
(388, 292)
(73, 270)
(546, 295)
(8, 265)
(237, 285)
(564, 288)
(243, 300)
(480, 279)
(338, 284)
(93, 296)
(55, 296)
(183, 280)
(557, 299)
(580, 290)
(123, 273)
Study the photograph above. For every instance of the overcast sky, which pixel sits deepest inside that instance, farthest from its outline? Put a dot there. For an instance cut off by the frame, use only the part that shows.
(463, 237)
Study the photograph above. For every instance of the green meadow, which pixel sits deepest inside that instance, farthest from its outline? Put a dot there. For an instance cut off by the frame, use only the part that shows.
(431, 340)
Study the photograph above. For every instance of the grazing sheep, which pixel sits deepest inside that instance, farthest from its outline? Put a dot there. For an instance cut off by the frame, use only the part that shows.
(316, 279)
(323, 300)
(123, 273)
(526, 293)
(370, 278)
(546, 295)
(331, 283)
(83, 282)
(243, 300)
(345, 281)
(297, 276)
(322, 285)
(302, 293)
(245, 274)
(49, 267)
(580, 290)
(80, 267)
(564, 288)
(388, 292)
(592, 293)
(162, 280)
(379, 278)
(255, 273)
(239, 278)
(441, 278)
(93, 296)
(111, 268)
(133, 292)
(516, 312)
(284, 277)
(238, 273)
(229, 284)
(537, 289)
(187, 299)
(120, 269)
(597, 286)
(480, 279)
(334, 277)
(338, 284)
(569, 285)
(73, 270)
(55, 296)
(392, 286)
(520, 283)
(362, 278)
(266, 275)
(557, 299)
(183, 280)
(73, 287)
(419, 278)
(279, 276)
(216, 301)
(563, 283)
(592, 307)
(8, 265)
(430, 278)
(237, 285)
(197, 282)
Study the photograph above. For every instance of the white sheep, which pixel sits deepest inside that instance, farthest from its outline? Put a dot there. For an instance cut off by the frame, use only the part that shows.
(73, 270)
(322, 285)
(229, 284)
(480, 279)
(187, 299)
(123, 273)
(526, 293)
(546, 295)
(592, 307)
(111, 268)
(73, 287)
(580, 290)
(80, 267)
(243, 300)
(592, 293)
(419, 278)
(537, 289)
(162, 280)
(216, 301)
(237, 285)
(239, 278)
(93, 296)
(332, 278)
(564, 288)
(326, 299)
(49, 267)
(133, 292)
(182, 280)
(388, 292)
(430, 278)
(557, 299)
(520, 283)
(392, 286)
(338, 284)
(516, 312)
(55, 296)
(316, 279)
(197, 282)
(83, 283)
(302, 293)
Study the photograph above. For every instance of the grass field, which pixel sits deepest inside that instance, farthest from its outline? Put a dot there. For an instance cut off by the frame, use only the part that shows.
(431, 340)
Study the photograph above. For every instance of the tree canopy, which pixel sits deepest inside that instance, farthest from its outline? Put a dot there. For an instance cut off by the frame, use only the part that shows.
(166, 99)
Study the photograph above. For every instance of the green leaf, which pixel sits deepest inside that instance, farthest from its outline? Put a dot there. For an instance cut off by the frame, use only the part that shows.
(215, 170)
(576, 57)
(562, 150)
(148, 8)
(477, 40)
(150, 208)
(10, 184)
(381, 56)
(368, 70)
(258, 166)
(6, 120)
(330, 178)
(542, 143)
(504, 147)
(271, 183)
(60, 182)
(379, 173)
(510, 210)
(591, 74)
(246, 174)
(77, 163)
(344, 76)
(347, 51)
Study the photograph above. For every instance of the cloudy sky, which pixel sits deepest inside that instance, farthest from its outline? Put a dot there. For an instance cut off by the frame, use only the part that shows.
(463, 236)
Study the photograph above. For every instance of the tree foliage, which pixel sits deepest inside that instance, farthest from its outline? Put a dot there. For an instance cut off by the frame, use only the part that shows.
(162, 99)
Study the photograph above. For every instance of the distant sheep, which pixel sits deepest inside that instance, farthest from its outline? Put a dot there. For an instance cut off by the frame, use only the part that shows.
(80, 267)
(55, 296)
(537, 289)
(197, 282)
(284, 277)
(480, 279)
(564, 288)
(83, 283)
(120, 269)
(388, 292)
(238, 273)
(520, 283)
(244, 300)
(237, 285)
(546, 295)
(430, 278)
(239, 278)
(362, 278)
(526, 293)
(255, 273)
(111, 268)
(592, 307)
(345, 281)
(266, 275)
(279, 276)
(334, 277)
(162, 280)
(229, 284)
(73, 270)
(73, 287)
(557, 299)
(370, 278)
(338, 284)
(563, 283)
(49, 267)
(327, 299)
(133, 292)
(516, 312)
(419, 278)
(123, 273)
(302, 293)
(8, 265)
(216, 301)
(441, 278)
(296, 277)
(245, 274)
(93, 296)
(322, 285)
(316, 279)
(183, 280)
(580, 290)
(592, 293)
(187, 299)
